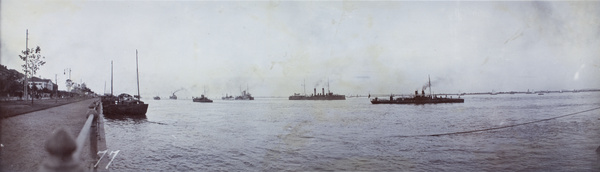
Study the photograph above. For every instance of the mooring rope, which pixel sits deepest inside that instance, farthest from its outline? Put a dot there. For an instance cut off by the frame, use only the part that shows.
(497, 128)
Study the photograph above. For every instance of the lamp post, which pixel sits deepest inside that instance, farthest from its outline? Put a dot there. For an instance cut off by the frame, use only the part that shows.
(69, 78)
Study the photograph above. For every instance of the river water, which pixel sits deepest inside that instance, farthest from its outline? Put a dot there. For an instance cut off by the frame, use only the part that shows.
(503, 133)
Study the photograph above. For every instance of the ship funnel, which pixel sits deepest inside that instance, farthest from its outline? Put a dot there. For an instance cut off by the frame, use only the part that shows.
(323, 91)
(315, 91)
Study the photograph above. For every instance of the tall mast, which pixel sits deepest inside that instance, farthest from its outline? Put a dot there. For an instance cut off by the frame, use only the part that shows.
(328, 86)
(304, 85)
(429, 85)
(111, 78)
(137, 74)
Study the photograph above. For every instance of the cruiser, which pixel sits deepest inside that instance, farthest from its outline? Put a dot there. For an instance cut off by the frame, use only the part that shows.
(316, 96)
(418, 99)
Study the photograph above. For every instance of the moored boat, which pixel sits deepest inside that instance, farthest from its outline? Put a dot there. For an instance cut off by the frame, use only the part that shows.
(125, 104)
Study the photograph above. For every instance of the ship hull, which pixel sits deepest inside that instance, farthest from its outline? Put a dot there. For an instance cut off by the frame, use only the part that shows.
(333, 97)
(125, 109)
(203, 101)
(418, 101)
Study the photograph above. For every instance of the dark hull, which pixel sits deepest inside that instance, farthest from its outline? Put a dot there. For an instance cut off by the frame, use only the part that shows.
(202, 100)
(125, 109)
(418, 101)
(332, 97)
(244, 98)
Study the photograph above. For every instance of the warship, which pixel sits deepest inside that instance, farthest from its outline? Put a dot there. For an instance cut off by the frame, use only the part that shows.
(318, 96)
(418, 99)
(202, 99)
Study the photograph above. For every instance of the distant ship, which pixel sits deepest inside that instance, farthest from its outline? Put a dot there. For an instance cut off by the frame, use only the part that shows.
(315, 96)
(202, 99)
(156, 98)
(174, 97)
(245, 95)
(228, 97)
(418, 99)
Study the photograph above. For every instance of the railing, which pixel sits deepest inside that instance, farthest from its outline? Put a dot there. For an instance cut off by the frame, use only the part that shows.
(65, 151)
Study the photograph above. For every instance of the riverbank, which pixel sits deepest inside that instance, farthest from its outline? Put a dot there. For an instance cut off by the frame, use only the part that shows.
(23, 137)
(18, 107)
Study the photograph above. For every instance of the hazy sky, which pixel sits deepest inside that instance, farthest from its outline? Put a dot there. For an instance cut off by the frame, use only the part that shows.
(360, 47)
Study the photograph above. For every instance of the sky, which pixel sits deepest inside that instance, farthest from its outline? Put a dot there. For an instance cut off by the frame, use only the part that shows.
(273, 47)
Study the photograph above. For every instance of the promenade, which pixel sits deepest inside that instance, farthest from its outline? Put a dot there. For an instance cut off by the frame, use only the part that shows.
(23, 136)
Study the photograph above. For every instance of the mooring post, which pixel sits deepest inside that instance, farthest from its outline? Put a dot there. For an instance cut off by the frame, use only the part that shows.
(65, 151)
(61, 146)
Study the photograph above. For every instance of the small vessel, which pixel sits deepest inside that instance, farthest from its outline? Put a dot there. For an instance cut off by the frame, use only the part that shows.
(156, 98)
(174, 97)
(419, 99)
(228, 97)
(316, 96)
(202, 99)
(125, 104)
(244, 95)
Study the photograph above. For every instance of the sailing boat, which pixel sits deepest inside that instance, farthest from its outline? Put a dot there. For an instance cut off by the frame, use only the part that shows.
(126, 104)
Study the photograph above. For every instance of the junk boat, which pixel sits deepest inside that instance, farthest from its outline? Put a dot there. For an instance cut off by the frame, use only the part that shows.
(419, 99)
(125, 104)
(202, 99)
(315, 96)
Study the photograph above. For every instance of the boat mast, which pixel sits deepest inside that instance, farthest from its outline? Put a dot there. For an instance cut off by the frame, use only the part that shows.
(328, 86)
(304, 85)
(429, 85)
(137, 74)
(111, 78)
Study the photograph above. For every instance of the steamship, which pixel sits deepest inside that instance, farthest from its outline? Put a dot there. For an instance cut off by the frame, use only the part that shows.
(418, 99)
(318, 96)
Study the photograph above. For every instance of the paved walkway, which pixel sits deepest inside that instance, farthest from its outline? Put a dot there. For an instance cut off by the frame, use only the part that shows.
(23, 137)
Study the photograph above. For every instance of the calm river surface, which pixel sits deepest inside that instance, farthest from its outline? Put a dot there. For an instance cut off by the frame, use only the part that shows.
(350, 135)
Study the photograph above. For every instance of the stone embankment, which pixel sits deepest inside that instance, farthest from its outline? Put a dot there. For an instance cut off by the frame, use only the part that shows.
(24, 133)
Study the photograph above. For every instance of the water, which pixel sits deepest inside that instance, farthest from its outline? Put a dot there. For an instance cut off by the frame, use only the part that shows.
(283, 135)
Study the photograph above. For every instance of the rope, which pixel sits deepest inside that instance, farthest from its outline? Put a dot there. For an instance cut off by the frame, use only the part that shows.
(502, 127)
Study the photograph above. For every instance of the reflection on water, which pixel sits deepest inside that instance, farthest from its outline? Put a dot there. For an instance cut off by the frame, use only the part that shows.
(277, 134)
(136, 118)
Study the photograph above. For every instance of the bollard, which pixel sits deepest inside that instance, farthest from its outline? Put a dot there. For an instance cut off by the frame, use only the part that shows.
(61, 147)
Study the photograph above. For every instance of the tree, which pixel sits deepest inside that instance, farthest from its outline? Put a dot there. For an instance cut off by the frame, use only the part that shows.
(33, 61)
